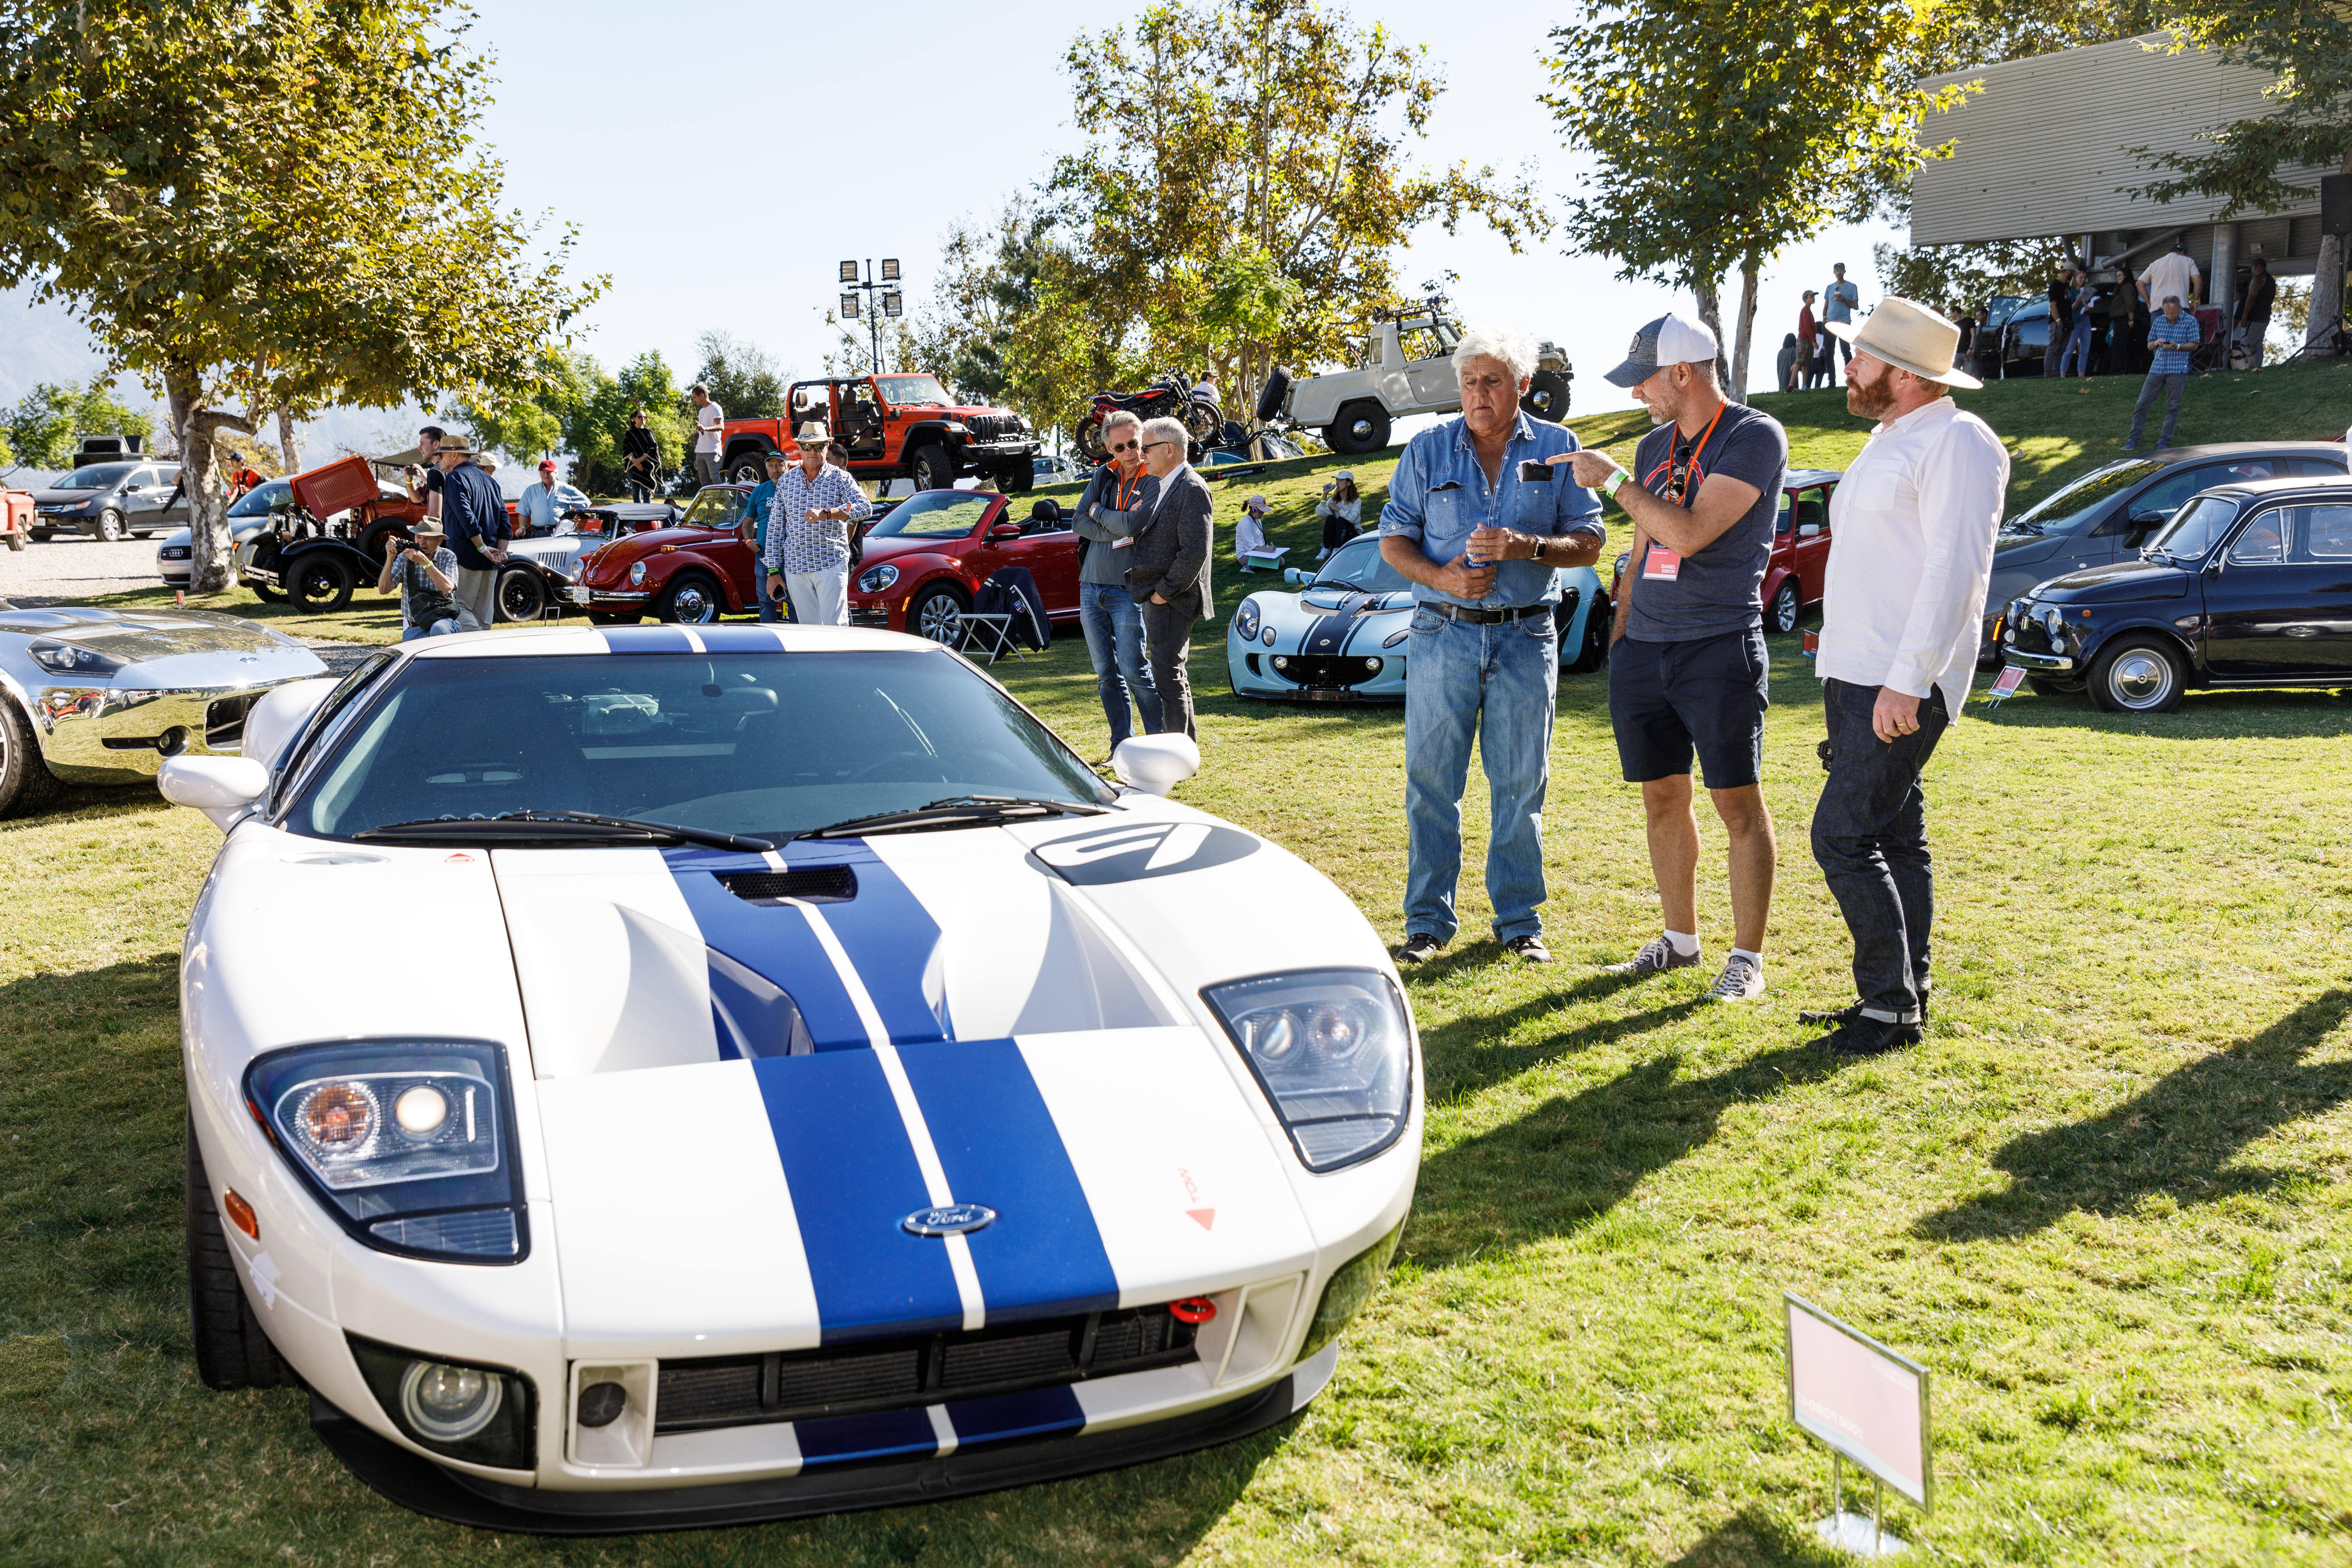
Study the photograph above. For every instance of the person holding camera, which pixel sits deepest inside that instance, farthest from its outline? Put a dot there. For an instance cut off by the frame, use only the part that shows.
(426, 575)
(1342, 511)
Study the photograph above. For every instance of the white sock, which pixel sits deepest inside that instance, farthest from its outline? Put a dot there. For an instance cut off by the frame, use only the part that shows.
(1684, 943)
(1755, 958)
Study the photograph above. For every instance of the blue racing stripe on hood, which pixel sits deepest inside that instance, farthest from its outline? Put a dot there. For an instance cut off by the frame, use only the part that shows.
(1042, 1255)
(894, 945)
(646, 639)
(774, 943)
(852, 1178)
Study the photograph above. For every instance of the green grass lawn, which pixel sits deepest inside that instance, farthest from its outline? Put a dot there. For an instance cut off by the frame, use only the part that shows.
(2105, 1203)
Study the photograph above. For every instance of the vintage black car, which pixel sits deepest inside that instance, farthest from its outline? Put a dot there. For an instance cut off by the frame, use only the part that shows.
(2249, 584)
(2108, 513)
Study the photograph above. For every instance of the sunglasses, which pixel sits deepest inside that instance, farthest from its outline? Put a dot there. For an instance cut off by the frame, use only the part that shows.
(1148, 444)
(1122, 445)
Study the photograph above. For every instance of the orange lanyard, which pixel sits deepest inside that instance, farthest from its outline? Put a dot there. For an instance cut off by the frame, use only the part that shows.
(1126, 488)
(1704, 436)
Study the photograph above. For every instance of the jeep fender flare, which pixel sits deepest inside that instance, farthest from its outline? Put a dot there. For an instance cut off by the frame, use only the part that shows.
(932, 433)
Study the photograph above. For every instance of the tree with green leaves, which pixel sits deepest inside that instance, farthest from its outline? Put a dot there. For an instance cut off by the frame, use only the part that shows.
(46, 425)
(268, 204)
(744, 378)
(1963, 276)
(1725, 131)
(1247, 178)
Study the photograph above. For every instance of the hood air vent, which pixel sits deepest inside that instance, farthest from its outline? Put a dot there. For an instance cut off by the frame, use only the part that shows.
(813, 884)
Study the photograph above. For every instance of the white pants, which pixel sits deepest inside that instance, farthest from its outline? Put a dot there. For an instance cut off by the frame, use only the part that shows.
(820, 598)
(476, 592)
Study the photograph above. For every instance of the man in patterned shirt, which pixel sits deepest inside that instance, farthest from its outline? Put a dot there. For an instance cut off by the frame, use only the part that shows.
(2170, 337)
(808, 531)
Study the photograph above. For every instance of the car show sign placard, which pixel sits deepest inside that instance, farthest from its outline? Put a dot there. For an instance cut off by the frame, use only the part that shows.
(1867, 1402)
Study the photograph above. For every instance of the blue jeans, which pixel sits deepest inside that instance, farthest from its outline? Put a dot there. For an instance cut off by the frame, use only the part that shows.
(446, 627)
(1870, 838)
(1114, 627)
(1498, 685)
(2078, 348)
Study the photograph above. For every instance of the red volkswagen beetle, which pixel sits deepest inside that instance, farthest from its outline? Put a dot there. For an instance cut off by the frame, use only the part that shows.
(696, 569)
(925, 560)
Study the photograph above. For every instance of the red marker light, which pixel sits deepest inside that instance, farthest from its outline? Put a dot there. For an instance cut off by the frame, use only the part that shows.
(1193, 1310)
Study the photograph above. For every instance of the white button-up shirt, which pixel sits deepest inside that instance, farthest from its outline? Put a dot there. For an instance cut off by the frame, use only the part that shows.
(1911, 532)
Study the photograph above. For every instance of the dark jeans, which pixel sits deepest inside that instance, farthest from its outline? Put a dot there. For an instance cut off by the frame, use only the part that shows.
(1168, 636)
(2171, 386)
(1870, 838)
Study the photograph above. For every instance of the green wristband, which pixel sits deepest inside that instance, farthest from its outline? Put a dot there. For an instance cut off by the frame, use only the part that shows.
(1609, 486)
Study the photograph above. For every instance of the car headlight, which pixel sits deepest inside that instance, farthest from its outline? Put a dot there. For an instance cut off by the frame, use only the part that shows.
(1245, 620)
(1333, 1050)
(1622, 558)
(1353, 1283)
(484, 1414)
(64, 658)
(875, 579)
(2053, 622)
(637, 574)
(405, 1144)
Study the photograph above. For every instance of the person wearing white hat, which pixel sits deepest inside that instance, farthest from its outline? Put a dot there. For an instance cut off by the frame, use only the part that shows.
(1911, 530)
(1688, 676)
(807, 553)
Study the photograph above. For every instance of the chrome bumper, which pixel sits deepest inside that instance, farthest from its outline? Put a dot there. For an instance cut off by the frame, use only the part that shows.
(95, 734)
(2036, 660)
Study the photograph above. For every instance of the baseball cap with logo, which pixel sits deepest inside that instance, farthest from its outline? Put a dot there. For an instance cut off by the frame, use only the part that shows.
(1669, 339)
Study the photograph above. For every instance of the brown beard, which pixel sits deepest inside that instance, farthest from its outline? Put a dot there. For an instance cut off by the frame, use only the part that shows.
(1874, 401)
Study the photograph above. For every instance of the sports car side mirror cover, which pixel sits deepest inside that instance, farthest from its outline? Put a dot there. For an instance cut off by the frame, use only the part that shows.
(279, 716)
(223, 788)
(1156, 764)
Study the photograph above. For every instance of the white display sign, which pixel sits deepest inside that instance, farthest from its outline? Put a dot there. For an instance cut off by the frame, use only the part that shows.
(1864, 1400)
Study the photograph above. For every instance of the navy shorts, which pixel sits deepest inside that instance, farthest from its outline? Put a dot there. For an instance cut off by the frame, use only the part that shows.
(1668, 701)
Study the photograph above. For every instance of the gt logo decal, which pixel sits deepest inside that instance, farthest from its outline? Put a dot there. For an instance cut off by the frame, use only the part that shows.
(1134, 851)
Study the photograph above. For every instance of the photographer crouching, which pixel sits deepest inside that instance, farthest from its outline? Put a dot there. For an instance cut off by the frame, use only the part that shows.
(426, 574)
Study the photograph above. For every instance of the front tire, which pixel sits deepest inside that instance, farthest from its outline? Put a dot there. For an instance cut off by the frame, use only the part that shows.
(690, 599)
(931, 468)
(25, 783)
(2137, 675)
(938, 613)
(318, 585)
(109, 526)
(232, 1350)
(521, 595)
(1782, 614)
(16, 539)
(748, 467)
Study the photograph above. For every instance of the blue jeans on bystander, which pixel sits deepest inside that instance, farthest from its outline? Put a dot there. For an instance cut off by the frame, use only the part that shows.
(1496, 684)
(1114, 629)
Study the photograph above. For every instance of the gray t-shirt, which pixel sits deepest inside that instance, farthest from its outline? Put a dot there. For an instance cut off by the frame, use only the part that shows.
(1721, 588)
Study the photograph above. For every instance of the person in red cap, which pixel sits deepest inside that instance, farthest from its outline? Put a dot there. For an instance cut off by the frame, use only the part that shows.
(536, 508)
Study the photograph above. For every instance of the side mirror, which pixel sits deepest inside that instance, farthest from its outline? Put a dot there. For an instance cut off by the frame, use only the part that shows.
(223, 788)
(1005, 530)
(1809, 530)
(1156, 764)
(1292, 574)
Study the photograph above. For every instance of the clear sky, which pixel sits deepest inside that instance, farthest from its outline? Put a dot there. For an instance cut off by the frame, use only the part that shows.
(768, 142)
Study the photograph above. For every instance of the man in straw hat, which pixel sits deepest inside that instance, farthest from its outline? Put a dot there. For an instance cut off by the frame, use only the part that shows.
(424, 573)
(475, 512)
(808, 531)
(1911, 530)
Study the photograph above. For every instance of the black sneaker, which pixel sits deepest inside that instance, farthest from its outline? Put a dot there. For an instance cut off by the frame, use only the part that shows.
(1846, 1015)
(1420, 946)
(1860, 1037)
(1529, 948)
(1656, 956)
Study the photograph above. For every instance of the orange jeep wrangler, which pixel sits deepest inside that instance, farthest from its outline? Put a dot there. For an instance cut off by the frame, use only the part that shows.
(889, 427)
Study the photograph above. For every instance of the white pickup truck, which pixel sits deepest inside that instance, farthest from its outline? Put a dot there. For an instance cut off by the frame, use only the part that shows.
(1407, 368)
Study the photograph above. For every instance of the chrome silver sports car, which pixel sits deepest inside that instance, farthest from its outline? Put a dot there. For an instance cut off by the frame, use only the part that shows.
(102, 697)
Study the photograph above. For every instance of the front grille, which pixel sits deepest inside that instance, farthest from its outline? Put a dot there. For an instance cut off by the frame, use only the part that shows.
(1328, 671)
(880, 620)
(174, 552)
(811, 884)
(225, 720)
(993, 426)
(896, 1374)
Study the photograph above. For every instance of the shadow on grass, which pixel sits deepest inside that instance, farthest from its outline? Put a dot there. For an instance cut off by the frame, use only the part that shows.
(1569, 1161)
(2175, 1140)
(1754, 1539)
(2282, 715)
(1462, 1056)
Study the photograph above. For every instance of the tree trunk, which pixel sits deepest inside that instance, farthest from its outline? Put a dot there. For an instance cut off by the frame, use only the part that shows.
(1738, 390)
(2326, 313)
(194, 424)
(285, 439)
(1709, 290)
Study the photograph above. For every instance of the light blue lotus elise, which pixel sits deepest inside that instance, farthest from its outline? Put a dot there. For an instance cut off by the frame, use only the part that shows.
(1341, 635)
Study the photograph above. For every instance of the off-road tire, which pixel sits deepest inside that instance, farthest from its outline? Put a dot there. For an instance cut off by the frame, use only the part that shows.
(937, 613)
(1547, 396)
(232, 1350)
(1358, 428)
(25, 783)
(318, 585)
(1786, 608)
(2137, 675)
(1271, 395)
(748, 467)
(690, 598)
(930, 467)
(520, 596)
(109, 526)
(1019, 482)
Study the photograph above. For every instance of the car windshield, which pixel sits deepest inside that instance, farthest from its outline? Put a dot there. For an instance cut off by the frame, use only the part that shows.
(257, 501)
(2060, 512)
(717, 509)
(935, 514)
(1359, 566)
(97, 476)
(764, 744)
(2194, 527)
(902, 390)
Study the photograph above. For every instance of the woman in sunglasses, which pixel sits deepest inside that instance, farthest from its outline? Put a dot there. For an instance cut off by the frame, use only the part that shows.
(1108, 513)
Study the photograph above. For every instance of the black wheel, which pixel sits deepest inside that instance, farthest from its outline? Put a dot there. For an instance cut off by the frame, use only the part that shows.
(109, 525)
(1595, 651)
(2137, 675)
(2051, 686)
(521, 595)
(266, 593)
(1203, 420)
(931, 468)
(938, 613)
(232, 1350)
(614, 617)
(16, 539)
(25, 783)
(1361, 428)
(748, 467)
(318, 585)
(1786, 606)
(1087, 436)
(691, 597)
(1547, 396)
(1270, 396)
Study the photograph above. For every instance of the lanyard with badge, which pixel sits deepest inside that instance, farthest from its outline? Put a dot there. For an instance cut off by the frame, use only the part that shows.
(1684, 476)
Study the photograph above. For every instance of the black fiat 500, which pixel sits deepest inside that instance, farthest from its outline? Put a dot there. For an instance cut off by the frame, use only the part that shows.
(2249, 584)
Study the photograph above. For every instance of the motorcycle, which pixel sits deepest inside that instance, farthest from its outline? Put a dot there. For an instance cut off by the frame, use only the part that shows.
(1172, 397)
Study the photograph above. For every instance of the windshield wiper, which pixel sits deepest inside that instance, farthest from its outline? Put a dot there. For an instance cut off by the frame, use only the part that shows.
(580, 826)
(953, 811)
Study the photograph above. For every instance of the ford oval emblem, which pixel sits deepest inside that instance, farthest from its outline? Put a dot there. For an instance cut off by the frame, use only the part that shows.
(949, 1219)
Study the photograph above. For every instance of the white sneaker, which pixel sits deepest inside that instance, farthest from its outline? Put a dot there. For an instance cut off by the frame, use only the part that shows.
(1741, 980)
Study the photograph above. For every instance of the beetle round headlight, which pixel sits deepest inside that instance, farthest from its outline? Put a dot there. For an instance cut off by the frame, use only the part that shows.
(447, 1402)
(875, 579)
(637, 574)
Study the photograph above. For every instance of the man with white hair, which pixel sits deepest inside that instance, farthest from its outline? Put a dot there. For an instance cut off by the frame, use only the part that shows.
(1688, 676)
(1481, 522)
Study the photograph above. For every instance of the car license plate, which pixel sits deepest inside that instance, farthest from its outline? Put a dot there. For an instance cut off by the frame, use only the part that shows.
(579, 595)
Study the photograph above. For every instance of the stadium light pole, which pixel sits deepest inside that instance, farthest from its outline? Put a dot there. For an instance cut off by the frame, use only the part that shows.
(881, 298)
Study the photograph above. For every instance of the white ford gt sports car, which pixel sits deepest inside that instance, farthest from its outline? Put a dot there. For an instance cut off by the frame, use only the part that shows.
(802, 1084)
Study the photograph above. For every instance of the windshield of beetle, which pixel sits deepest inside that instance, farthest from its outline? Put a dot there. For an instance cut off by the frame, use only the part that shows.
(762, 745)
(935, 514)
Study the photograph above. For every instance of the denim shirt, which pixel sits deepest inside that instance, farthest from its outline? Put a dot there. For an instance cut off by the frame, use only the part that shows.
(1438, 495)
(756, 509)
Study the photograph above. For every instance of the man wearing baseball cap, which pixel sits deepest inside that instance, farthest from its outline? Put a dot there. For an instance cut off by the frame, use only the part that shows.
(1911, 536)
(538, 503)
(1688, 676)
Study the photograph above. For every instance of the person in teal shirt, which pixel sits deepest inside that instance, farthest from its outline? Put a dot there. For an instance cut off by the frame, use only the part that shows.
(762, 501)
